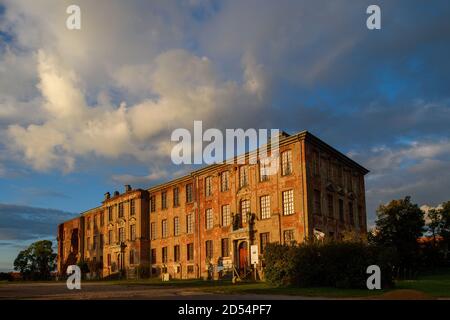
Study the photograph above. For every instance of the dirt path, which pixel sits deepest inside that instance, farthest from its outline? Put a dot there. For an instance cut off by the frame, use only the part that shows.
(59, 291)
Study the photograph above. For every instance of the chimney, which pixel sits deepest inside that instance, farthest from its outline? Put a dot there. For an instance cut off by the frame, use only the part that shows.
(127, 188)
(107, 195)
(116, 193)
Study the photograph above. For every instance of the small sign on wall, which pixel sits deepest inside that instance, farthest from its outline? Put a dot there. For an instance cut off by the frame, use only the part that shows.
(254, 257)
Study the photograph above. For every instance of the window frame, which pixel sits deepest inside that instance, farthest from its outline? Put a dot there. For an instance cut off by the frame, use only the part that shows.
(264, 203)
(286, 163)
(288, 204)
(209, 219)
(225, 181)
(225, 215)
(176, 226)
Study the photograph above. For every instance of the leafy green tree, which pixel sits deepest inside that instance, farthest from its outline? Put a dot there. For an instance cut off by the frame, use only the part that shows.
(439, 225)
(37, 261)
(444, 228)
(399, 224)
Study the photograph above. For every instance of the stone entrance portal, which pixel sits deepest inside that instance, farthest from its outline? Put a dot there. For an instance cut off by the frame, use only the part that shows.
(242, 258)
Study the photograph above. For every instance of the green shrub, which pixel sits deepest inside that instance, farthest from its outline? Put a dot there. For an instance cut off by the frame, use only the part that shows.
(335, 264)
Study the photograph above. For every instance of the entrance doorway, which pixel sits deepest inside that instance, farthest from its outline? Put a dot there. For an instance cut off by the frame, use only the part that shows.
(243, 265)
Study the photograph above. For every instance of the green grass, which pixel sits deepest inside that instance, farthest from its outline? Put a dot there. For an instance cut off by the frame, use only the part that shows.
(226, 287)
(436, 285)
(264, 288)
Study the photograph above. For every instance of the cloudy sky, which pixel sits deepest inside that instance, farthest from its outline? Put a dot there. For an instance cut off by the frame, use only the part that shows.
(83, 112)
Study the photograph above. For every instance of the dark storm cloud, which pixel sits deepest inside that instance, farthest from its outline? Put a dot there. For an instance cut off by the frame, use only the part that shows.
(24, 222)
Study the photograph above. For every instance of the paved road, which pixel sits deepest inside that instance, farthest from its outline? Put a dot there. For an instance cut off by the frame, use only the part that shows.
(92, 290)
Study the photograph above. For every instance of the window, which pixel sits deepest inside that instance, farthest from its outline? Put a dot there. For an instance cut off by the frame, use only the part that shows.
(153, 256)
(121, 210)
(225, 247)
(132, 207)
(176, 253)
(95, 243)
(209, 219)
(164, 228)
(264, 166)
(108, 259)
(121, 235)
(315, 163)
(341, 210)
(208, 186)
(327, 164)
(226, 215)
(102, 219)
(360, 217)
(245, 209)
(132, 232)
(209, 249)
(190, 269)
(243, 176)
(88, 224)
(190, 223)
(330, 205)
(349, 183)
(176, 226)
(286, 163)
(288, 202)
(164, 254)
(110, 214)
(264, 239)
(189, 192)
(176, 197)
(288, 236)
(153, 230)
(350, 213)
(164, 200)
(190, 251)
(152, 203)
(339, 174)
(131, 256)
(101, 241)
(317, 207)
(264, 202)
(110, 237)
(224, 180)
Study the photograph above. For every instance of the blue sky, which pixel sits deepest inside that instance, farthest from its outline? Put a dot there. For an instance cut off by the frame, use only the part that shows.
(84, 112)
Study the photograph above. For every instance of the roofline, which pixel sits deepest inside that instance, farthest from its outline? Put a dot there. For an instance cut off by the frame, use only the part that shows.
(286, 139)
(302, 135)
(90, 210)
(315, 139)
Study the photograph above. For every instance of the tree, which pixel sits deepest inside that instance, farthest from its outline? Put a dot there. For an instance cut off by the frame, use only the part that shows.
(399, 224)
(439, 225)
(444, 231)
(37, 261)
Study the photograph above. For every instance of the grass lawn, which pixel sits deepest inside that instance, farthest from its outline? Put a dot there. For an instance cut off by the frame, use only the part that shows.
(250, 288)
(434, 285)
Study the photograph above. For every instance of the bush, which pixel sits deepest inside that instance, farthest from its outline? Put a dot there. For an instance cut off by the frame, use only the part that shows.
(6, 276)
(335, 264)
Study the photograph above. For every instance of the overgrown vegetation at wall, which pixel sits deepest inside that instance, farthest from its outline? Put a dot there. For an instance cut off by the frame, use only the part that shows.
(405, 242)
(331, 264)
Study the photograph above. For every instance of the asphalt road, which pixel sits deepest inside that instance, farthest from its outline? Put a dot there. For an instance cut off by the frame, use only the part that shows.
(92, 290)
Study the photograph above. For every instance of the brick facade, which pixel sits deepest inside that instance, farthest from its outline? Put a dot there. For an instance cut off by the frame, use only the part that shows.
(204, 224)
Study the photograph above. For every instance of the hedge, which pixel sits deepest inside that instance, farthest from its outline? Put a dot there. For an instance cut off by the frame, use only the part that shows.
(331, 264)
